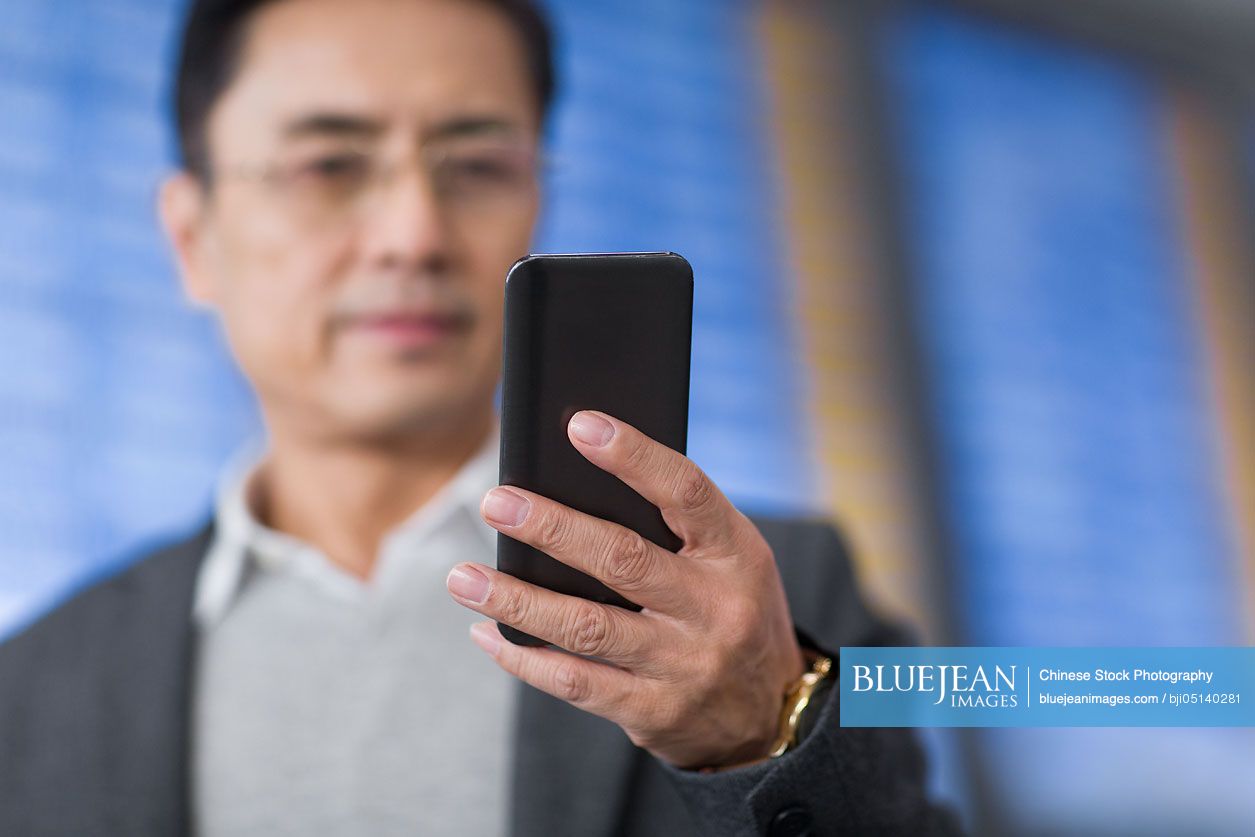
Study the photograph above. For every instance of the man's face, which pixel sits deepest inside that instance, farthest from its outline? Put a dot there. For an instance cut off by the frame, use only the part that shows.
(373, 179)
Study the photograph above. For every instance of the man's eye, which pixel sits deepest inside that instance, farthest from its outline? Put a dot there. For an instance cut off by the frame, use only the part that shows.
(488, 169)
(335, 169)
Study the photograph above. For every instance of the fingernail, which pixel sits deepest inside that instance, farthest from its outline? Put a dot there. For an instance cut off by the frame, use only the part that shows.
(486, 638)
(509, 508)
(592, 429)
(468, 583)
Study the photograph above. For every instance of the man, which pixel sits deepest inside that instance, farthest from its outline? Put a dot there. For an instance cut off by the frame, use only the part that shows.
(357, 179)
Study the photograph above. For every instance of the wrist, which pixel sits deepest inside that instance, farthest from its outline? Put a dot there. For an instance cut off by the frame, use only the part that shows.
(800, 705)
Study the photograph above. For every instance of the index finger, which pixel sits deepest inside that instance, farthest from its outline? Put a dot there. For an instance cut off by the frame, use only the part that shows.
(691, 504)
(615, 555)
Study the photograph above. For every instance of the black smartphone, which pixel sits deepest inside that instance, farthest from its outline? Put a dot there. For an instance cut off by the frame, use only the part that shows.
(600, 331)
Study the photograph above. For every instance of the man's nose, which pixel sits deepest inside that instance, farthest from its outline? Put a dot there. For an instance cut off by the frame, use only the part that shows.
(405, 225)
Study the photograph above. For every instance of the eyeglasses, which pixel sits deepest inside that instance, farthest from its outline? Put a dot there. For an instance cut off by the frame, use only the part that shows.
(340, 184)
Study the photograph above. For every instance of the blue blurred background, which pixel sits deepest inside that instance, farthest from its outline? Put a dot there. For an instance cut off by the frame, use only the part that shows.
(975, 278)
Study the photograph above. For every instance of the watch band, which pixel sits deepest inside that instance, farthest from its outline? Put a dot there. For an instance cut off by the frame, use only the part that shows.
(799, 696)
(815, 707)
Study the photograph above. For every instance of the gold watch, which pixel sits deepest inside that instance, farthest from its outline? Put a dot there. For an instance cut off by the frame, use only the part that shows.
(796, 699)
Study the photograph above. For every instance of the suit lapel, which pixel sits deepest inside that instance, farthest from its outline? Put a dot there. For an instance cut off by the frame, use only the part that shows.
(149, 682)
(572, 770)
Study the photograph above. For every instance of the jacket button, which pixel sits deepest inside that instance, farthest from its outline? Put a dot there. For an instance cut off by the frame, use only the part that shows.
(793, 821)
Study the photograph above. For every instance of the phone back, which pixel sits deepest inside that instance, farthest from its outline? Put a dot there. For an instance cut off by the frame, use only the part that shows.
(608, 332)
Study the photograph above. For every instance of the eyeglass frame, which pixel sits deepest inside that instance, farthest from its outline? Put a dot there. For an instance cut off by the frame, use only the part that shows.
(429, 157)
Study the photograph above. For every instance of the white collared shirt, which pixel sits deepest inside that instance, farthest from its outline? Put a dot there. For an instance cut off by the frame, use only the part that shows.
(240, 538)
(325, 704)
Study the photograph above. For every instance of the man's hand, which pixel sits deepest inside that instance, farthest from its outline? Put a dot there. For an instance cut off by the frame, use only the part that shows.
(697, 677)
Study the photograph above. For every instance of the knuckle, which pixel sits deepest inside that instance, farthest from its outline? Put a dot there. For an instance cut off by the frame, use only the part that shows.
(696, 491)
(552, 531)
(628, 561)
(513, 605)
(570, 682)
(590, 630)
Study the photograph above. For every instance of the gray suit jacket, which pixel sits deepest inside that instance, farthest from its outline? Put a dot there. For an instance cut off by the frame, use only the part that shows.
(94, 727)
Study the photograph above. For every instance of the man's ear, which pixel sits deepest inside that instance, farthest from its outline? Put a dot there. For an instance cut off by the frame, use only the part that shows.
(182, 204)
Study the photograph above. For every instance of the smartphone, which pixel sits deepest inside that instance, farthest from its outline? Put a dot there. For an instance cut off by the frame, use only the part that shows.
(600, 331)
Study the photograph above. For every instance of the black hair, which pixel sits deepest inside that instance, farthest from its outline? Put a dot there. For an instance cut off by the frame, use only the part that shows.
(214, 35)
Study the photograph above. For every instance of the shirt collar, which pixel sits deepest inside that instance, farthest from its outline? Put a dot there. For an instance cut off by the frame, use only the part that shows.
(241, 539)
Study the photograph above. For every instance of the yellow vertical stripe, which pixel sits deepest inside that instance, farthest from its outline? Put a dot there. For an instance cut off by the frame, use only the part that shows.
(840, 310)
(1222, 273)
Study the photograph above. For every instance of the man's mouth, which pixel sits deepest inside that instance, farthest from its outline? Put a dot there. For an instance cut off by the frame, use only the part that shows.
(407, 329)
